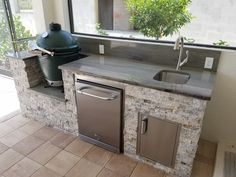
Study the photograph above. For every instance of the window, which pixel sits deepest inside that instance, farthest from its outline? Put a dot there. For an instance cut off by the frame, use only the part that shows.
(212, 24)
(16, 28)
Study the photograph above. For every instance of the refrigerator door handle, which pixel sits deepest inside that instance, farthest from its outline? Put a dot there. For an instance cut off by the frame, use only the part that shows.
(95, 96)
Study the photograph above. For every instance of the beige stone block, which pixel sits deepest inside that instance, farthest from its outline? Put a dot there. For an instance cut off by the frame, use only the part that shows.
(84, 168)
(79, 147)
(121, 165)
(8, 159)
(24, 168)
(28, 145)
(62, 162)
(98, 155)
(44, 153)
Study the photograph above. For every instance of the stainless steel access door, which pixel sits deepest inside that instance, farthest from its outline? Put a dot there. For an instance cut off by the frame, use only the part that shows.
(99, 114)
(158, 139)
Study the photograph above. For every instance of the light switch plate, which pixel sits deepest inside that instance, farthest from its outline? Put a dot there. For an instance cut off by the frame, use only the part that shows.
(209, 63)
(101, 49)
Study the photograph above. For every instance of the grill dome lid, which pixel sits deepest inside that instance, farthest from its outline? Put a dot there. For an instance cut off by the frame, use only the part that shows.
(57, 40)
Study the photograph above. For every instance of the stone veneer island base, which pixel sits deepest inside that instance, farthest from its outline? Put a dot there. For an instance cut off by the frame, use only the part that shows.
(56, 109)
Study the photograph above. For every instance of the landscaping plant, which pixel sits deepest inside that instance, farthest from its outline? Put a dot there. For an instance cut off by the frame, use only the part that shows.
(157, 18)
(5, 41)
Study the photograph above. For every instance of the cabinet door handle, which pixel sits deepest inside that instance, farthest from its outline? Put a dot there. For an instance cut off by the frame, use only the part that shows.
(144, 125)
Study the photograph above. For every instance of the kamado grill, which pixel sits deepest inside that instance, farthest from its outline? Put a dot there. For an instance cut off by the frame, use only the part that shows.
(60, 48)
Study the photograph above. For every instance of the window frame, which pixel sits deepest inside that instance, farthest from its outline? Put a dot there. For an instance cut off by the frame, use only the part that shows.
(11, 25)
(159, 42)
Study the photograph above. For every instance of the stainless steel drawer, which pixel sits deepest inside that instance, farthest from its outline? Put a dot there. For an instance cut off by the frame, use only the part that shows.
(99, 114)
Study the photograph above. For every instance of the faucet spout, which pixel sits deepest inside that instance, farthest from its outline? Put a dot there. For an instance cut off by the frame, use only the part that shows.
(179, 45)
(185, 60)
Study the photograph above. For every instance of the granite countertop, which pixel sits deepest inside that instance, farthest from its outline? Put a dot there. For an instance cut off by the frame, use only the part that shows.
(139, 73)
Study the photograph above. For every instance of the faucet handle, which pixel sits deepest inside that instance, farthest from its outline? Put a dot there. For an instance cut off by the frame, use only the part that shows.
(187, 53)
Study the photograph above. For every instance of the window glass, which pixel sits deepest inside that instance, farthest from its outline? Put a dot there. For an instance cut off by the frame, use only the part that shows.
(5, 40)
(23, 16)
(210, 22)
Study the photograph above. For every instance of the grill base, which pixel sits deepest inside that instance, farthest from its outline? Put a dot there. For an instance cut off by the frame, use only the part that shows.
(54, 83)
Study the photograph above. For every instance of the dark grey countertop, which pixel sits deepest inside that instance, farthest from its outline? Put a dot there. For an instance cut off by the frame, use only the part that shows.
(139, 73)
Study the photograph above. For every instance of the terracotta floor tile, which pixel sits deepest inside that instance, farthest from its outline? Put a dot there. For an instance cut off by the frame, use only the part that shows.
(108, 173)
(8, 159)
(17, 121)
(84, 168)
(45, 172)
(143, 170)
(206, 149)
(79, 147)
(3, 148)
(204, 159)
(46, 133)
(98, 155)
(121, 164)
(62, 162)
(24, 168)
(44, 153)
(28, 145)
(31, 127)
(62, 139)
(13, 138)
(5, 129)
(202, 169)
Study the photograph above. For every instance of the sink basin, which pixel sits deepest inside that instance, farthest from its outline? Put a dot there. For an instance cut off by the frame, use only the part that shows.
(171, 76)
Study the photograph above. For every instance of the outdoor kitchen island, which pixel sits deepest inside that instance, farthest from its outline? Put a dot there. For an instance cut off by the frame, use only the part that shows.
(183, 105)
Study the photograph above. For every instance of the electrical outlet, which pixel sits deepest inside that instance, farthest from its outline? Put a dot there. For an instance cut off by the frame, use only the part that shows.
(209, 63)
(101, 49)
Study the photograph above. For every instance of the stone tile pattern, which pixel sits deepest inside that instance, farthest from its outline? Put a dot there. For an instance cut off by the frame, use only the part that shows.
(75, 160)
(50, 111)
(187, 111)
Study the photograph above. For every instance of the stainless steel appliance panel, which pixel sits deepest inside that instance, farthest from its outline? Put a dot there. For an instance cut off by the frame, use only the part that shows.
(99, 114)
(158, 139)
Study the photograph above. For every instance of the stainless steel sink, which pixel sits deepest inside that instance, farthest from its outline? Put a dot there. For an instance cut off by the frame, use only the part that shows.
(171, 76)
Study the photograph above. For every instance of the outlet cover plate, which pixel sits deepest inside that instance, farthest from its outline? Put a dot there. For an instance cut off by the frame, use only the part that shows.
(101, 49)
(209, 63)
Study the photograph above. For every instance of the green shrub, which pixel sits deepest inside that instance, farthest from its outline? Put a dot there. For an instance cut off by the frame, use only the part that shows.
(5, 41)
(157, 18)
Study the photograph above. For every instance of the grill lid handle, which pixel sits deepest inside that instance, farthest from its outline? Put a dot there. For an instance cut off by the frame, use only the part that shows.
(55, 27)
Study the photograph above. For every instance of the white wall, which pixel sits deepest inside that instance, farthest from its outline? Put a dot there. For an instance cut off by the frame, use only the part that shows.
(220, 119)
(61, 14)
(47, 11)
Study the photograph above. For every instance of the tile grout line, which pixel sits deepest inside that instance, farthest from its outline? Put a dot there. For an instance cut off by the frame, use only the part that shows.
(133, 169)
(73, 166)
(14, 163)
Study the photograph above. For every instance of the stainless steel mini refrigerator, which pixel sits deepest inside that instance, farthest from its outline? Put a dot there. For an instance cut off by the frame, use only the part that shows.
(100, 114)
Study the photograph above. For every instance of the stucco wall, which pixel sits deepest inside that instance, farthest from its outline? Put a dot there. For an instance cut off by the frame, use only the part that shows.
(214, 20)
(220, 118)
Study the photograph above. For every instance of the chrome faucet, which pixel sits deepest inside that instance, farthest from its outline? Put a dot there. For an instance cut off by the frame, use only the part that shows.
(179, 45)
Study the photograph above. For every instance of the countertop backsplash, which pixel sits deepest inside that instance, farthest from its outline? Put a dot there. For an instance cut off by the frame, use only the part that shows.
(158, 54)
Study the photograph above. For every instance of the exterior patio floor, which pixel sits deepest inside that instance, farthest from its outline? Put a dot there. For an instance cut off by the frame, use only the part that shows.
(9, 103)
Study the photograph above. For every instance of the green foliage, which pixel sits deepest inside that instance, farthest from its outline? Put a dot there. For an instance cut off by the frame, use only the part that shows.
(100, 31)
(221, 43)
(157, 18)
(5, 41)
